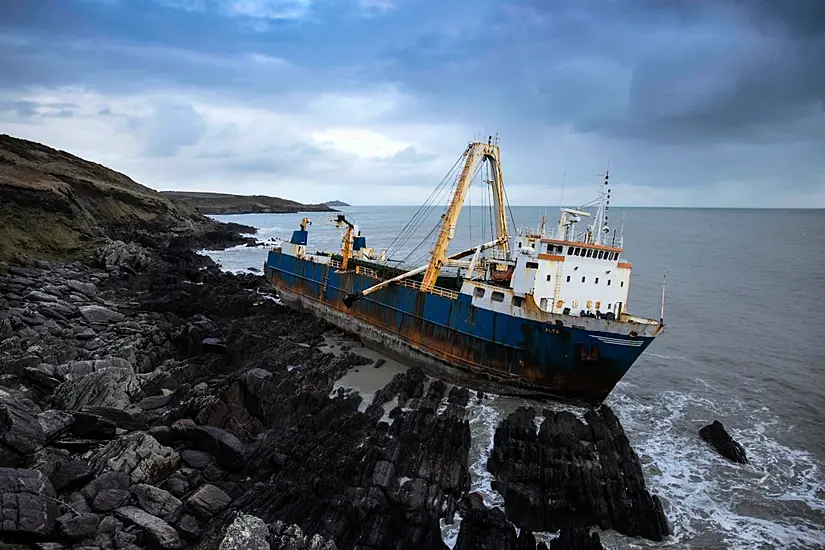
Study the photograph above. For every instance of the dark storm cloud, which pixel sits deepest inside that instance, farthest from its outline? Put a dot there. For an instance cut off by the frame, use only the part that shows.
(727, 70)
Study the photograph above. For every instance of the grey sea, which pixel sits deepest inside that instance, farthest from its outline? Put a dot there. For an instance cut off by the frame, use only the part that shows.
(745, 344)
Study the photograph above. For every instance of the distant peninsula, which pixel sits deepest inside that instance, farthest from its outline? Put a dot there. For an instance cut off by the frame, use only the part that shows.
(336, 203)
(222, 203)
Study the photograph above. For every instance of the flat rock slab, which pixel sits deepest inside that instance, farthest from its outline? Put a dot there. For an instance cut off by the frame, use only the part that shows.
(160, 532)
(101, 315)
(207, 501)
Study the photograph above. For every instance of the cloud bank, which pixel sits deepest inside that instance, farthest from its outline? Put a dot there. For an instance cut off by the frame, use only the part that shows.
(692, 103)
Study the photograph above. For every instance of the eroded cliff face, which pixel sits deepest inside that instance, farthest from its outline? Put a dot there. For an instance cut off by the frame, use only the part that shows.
(54, 204)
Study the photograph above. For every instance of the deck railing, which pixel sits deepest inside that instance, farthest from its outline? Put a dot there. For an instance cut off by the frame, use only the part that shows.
(409, 283)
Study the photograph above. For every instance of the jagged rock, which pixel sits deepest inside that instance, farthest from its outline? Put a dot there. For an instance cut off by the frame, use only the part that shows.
(137, 454)
(110, 387)
(573, 474)
(158, 502)
(287, 537)
(79, 527)
(720, 439)
(87, 289)
(42, 376)
(159, 532)
(54, 423)
(101, 315)
(65, 473)
(177, 484)
(77, 369)
(110, 499)
(246, 533)
(207, 501)
(120, 254)
(109, 525)
(188, 527)
(20, 431)
(104, 481)
(485, 529)
(27, 504)
(225, 447)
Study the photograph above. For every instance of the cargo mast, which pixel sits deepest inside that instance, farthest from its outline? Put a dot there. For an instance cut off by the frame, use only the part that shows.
(476, 153)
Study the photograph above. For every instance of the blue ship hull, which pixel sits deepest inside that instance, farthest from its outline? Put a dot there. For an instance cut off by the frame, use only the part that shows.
(566, 361)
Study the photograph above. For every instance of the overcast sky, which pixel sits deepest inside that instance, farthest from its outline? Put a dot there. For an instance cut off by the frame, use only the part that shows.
(693, 102)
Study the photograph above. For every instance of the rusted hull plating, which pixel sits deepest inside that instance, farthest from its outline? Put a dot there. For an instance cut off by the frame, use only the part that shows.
(564, 361)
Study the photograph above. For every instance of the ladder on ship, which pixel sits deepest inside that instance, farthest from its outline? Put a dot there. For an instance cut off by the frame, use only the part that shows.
(557, 291)
(325, 280)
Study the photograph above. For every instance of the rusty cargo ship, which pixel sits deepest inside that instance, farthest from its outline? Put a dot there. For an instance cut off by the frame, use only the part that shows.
(540, 311)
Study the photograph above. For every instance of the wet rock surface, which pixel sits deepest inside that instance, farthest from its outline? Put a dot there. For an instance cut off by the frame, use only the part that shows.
(149, 400)
(719, 438)
(573, 473)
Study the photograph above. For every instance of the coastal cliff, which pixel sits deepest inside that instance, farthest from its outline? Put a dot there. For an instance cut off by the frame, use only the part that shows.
(222, 203)
(55, 205)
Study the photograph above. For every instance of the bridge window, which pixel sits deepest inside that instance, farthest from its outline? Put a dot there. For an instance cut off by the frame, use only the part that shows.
(517, 301)
(478, 292)
(589, 253)
(601, 254)
(497, 296)
(597, 280)
(532, 265)
(569, 250)
(548, 277)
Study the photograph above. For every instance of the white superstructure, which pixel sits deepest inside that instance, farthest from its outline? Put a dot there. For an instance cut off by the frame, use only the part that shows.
(569, 272)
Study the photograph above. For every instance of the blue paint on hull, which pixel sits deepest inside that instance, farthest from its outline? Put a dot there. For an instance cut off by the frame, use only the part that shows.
(565, 361)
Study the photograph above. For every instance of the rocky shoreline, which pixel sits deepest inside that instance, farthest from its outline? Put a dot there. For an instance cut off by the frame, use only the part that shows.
(148, 399)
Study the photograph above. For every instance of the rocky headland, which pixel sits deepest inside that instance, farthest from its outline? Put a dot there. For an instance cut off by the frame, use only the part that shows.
(222, 203)
(150, 400)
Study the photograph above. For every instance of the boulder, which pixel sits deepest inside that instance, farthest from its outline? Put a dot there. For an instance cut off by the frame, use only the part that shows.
(207, 501)
(158, 502)
(65, 472)
(225, 447)
(20, 430)
(246, 533)
(110, 387)
(725, 445)
(138, 455)
(107, 500)
(158, 531)
(105, 481)
(27, 503)
(80, 527)
(54, 423)
(100, 315)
